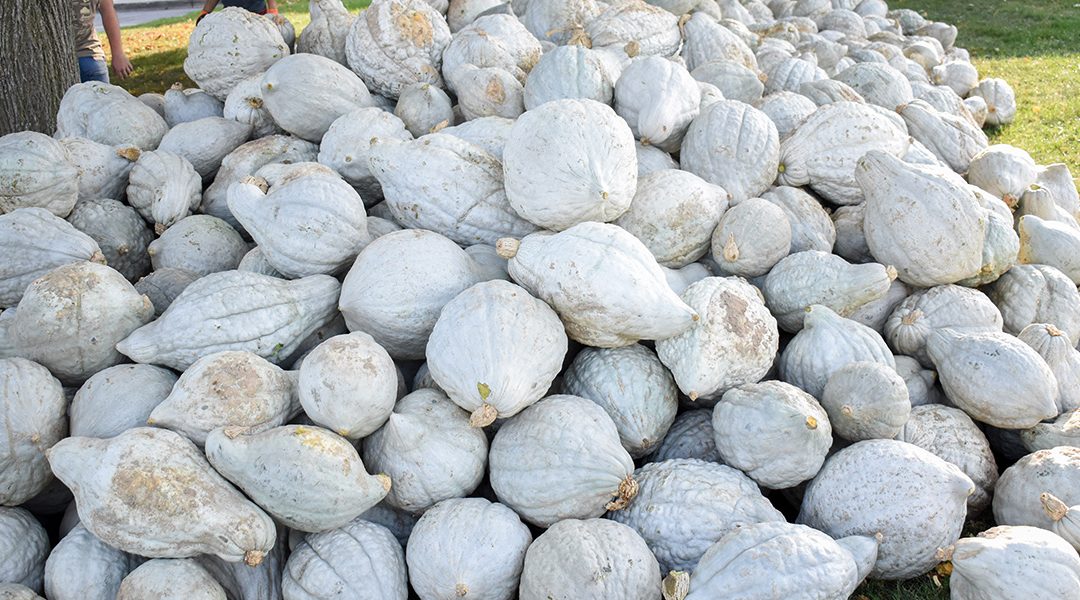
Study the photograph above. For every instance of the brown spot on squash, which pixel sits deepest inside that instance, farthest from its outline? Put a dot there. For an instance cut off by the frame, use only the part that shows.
(414, 26)
(495, 91)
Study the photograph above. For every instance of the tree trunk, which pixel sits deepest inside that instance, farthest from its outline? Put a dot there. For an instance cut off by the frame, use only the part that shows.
(37, 62)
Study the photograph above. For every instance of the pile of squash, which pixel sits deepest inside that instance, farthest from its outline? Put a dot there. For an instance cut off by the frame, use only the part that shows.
(557, 299)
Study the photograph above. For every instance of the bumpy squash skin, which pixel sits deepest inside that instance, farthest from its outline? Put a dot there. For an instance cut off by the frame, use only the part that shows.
(786, 109)
(690, 436)
(926, 311)
(309, 225)
(204, 143)
(532, 471)
(118, 398)
(70, 319)
(486, 65)
(1004, 171)
(953, 139)
(244, 582)
(1014, 562)
(1049, 243)
(1066, 519)
(552, 182)
(36, 171)
(1021, 390)
(1061, 356)
(33, 242)
(191, 327)
(230, 46)
(652, 30)
(732, 145)
(734, 342)
(952, 436)
(108, 114)
(421, 266)
(120, 233)
(307, 477)
(686, 505)
(103, 170)
(811, 226)
(245, 160)
(328, 30)
(429, 450)
(875, 313)
(162, 286)
(150, 491)
(632, 386)
(631, 301)
(774, 560)
(305, 93)
(1017, 493)
(705, 40)
(198, 243)
(223, 389)
(495, 350)
(164, 187)
(751, 238)
(25, 546)
(423, 107)
(659, 99)
(916, 217)
(395, 43)
(674, 214)
(878, 84)
(827, 343)
(347, 384)
(813, 277)
(346, 144)
(245, 105)
(917, 501)
(170, 579)
(589, 559)
(570, 71)
(1029, 294)
(360, 561)
(467, 547)
(448, 185)
(82, 567)
(824, 149)
(774, 432)
(865, 401)
(1063, 431)
(192, 104)
(1000, 101)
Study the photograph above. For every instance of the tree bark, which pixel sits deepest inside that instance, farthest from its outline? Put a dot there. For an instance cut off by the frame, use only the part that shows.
(37, 62)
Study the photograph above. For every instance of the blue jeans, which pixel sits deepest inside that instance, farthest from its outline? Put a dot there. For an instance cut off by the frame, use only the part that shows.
(93, 69)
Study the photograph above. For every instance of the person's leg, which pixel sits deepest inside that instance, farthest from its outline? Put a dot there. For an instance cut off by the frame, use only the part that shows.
(93, 69)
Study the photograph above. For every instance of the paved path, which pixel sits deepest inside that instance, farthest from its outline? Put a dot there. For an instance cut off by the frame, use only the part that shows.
(130, 17)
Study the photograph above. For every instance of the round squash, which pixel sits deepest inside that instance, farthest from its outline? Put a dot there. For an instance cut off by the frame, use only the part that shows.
(545, 479)
(559, 182)
(467, 547)
(429, 451)
(590, 559)
(915, 500)
(229, 46)
(495, 350)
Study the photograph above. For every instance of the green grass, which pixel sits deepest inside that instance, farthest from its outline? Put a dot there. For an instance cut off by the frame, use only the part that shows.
(1035, 46)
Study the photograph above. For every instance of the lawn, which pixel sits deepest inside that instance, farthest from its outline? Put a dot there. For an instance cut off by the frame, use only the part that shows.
(1033, 44)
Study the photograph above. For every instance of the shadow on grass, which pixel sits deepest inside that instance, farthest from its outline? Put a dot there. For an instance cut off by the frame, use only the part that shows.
(155, 72)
